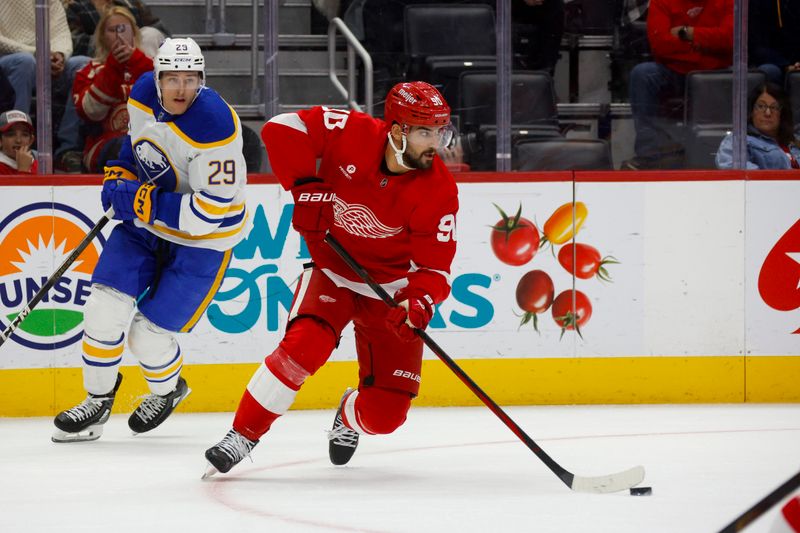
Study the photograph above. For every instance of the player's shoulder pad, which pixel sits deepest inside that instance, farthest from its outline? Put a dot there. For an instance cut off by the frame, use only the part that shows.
(444, 179)
(368, 122)
(143, 93)
(209, 121)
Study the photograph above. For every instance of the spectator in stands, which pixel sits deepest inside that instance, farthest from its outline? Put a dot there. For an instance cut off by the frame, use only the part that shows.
(684, 35)
(6, 94)
(17, 61)
(771, 143)
(102, 87)
(774, 37)
(84, 15)
(18, 44)
(538, 26)
(16, 157)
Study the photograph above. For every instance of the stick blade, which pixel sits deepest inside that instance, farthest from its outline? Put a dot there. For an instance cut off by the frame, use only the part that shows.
(610, 483)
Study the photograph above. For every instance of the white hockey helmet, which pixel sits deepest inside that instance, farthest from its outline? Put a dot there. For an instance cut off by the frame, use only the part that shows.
(176, 55)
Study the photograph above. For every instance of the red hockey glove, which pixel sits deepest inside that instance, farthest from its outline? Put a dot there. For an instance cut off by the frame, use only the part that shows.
(313, 207)
(414, 310)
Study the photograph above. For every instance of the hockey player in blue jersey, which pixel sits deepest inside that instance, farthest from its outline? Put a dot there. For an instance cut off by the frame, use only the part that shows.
(178, 188)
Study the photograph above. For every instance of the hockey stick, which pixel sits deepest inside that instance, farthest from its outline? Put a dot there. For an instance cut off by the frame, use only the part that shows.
(56, 276)
(744, 519)
(600, 484)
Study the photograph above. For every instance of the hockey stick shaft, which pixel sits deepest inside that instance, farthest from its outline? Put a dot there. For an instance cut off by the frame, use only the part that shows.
(4, 336)
(744, 519)
(557, 469)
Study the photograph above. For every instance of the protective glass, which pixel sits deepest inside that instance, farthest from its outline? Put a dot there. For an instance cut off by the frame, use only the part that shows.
(436, 136)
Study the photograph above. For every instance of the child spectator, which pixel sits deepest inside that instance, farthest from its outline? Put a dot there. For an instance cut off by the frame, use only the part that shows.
(102, 87)
(17, 137)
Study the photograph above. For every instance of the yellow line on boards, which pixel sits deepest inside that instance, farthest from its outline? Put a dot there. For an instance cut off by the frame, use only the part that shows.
(547, 381)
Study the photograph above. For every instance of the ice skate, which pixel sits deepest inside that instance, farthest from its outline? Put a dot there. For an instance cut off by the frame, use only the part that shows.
(342, 440)
(154, 409)
(228, 453)
(84, 422)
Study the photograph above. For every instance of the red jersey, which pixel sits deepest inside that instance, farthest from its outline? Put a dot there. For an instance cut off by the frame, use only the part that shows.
(400, 227)
(712, 47)
(101, 92)
(9, 166)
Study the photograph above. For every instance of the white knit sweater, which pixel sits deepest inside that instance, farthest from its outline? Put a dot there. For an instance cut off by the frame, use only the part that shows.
(18, 27)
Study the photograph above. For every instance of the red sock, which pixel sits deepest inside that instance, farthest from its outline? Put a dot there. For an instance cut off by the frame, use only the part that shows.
(251, 419)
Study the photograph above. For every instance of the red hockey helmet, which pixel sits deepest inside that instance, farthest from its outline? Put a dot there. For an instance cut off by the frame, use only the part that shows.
(416, 103)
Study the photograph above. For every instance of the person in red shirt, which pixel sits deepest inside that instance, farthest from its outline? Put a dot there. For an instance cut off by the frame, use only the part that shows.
(684, 35)
(102, 87)
(15, 147)
(383, 192)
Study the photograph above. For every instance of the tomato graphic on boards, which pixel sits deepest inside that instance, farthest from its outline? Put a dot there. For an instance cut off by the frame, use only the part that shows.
(534, 295)
(515, 240)
(588, 261)
(568, 316)
(779, 279)
(559, 228)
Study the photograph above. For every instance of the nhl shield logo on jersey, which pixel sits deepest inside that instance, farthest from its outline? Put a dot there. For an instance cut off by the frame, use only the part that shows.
(34, 241)
(155, 163)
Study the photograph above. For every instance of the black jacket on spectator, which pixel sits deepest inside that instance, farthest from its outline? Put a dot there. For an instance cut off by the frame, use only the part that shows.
(773, 33)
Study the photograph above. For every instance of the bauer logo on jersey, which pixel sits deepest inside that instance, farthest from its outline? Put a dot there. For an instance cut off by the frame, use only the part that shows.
(406, 374)
(358, 219)
(34, 241)
(155, 163)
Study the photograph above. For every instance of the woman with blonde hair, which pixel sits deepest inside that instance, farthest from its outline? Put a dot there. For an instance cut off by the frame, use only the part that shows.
(102, 87)
(84, 15)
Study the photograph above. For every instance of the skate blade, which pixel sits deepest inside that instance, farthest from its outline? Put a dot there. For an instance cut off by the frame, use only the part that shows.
(210, 471)
(88, 434)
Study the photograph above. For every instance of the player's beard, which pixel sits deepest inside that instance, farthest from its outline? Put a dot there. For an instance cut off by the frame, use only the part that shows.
(418, 162)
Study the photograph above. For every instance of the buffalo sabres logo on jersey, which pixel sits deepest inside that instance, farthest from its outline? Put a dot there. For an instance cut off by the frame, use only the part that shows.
(155, 163)
(359, 219)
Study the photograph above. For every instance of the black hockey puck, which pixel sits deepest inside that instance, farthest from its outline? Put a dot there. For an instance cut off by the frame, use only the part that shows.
(641, 491)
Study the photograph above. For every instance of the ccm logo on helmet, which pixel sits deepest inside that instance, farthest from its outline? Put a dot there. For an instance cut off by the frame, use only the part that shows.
(316, 197)
(406, 374)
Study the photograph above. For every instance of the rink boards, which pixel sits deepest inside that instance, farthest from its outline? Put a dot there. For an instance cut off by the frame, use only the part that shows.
(702, 306)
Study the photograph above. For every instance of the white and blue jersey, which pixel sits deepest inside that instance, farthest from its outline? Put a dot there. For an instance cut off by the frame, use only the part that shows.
(179, 261)
(197, 158)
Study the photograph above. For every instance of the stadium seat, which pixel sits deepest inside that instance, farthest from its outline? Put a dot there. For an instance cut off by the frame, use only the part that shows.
(533, 99)
(709, 112)
(444, 72)
(533, 112)
(709, 96)
(561, 154)
(481, 146)
(456, 30)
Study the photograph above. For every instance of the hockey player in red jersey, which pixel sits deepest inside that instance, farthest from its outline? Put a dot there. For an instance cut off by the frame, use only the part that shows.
(383, 192)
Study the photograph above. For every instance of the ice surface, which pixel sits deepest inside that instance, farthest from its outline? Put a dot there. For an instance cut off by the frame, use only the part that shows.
(446, 469)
